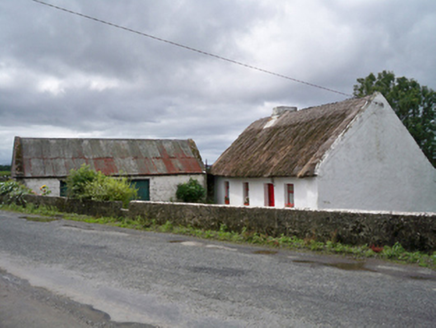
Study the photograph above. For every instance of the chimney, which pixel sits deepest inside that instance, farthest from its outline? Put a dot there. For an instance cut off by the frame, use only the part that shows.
(277, 112)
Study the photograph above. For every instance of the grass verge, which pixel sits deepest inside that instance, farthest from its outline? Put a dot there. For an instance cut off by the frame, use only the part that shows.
(394, 253)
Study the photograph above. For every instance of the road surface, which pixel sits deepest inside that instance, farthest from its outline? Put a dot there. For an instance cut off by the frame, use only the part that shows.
(87, 275)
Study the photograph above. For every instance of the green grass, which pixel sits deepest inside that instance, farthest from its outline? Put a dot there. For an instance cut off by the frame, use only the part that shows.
(5, 173)
(392, 253)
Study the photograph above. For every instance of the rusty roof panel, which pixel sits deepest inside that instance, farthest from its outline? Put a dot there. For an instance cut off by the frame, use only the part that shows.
(44, 157)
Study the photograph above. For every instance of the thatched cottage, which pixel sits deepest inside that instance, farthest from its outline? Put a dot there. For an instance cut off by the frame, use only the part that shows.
(354, 154)
(155, 167)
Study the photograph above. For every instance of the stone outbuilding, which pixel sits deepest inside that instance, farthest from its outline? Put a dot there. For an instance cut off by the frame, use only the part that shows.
(354, 154)
(155, 167)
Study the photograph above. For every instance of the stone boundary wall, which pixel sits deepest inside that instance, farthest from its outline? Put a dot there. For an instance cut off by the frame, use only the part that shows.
(86, 207)
(415, 231)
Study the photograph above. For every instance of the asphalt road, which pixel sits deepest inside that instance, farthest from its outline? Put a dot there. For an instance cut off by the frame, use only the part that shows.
(73, 274)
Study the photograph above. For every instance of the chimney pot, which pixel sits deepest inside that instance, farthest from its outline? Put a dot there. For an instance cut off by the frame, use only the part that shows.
(279, 110)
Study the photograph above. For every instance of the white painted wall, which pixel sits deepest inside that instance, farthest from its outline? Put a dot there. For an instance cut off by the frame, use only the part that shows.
(305, 191)
(377, 165)
(35, 183)
(162, 188)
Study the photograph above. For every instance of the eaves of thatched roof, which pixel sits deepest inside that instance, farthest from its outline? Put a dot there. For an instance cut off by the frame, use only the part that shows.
(292, 146)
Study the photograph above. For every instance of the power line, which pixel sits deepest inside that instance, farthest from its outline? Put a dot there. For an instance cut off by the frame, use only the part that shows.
(191, 49)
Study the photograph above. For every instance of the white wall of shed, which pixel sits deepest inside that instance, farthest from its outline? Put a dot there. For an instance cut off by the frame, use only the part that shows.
(377, 165)
(36, 183)
(164, 188)
(305, 191)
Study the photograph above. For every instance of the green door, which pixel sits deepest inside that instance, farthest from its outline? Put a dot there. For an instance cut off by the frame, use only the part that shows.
(63, 188)
(143, 187)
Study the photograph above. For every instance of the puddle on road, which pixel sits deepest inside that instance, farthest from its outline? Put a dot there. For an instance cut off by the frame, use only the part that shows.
(305, 261)
(420, 278)
(222, 272)
(176, 241)
(265, 251)
(38, 219)
(354, 266)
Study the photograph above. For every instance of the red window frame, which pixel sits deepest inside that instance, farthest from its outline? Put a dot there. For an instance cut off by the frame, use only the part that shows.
(289, 200)
(226, 192)
(246, 193)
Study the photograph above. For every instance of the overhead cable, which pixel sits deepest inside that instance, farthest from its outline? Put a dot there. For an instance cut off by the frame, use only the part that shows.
(191, 49)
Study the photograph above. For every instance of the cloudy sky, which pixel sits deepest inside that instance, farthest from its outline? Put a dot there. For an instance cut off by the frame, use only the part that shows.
(62, 75)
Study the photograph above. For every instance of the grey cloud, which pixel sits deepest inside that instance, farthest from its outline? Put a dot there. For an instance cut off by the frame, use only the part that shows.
(61, 74)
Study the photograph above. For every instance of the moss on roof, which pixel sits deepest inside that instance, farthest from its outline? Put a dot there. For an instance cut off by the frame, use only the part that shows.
(292, 146)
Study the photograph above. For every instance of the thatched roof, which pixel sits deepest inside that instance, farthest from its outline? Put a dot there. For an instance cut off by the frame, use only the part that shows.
(292, 146)
(55, 157)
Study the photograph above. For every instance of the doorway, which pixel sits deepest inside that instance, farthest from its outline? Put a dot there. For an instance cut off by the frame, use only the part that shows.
(143, 187)
(269, 193)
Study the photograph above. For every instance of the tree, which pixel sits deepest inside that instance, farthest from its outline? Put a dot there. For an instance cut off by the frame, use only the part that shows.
(414, 104)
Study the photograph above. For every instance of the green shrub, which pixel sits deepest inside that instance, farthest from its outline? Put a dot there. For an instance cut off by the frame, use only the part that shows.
(394, 251)
(78, 179)
(105, 188)
(85, 183)
(13, 192)
(190, 192)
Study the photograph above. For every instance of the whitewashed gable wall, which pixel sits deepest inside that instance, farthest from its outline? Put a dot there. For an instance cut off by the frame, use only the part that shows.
(377, 165)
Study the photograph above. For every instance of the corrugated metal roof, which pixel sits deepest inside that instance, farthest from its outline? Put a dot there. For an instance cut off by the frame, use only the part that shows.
(46, 157)
(292, 146)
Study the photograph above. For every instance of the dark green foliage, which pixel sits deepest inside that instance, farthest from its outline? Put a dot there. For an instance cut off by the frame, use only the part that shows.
(105, 188)
(13, 192)
(85, 183)
(5, 175)
(5, 172)
(190, 192)
(414, 104)
(78, 179)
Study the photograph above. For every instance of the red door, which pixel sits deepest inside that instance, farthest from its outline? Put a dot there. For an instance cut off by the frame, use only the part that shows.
(271, 194)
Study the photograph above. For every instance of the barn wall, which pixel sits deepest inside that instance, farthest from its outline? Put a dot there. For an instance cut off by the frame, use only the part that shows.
(36, 183)
(163, 188)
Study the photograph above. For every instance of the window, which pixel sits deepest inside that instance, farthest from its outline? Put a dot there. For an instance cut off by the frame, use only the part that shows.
(269, 195)
(226, 192)
(246, 193)
(289, 195)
